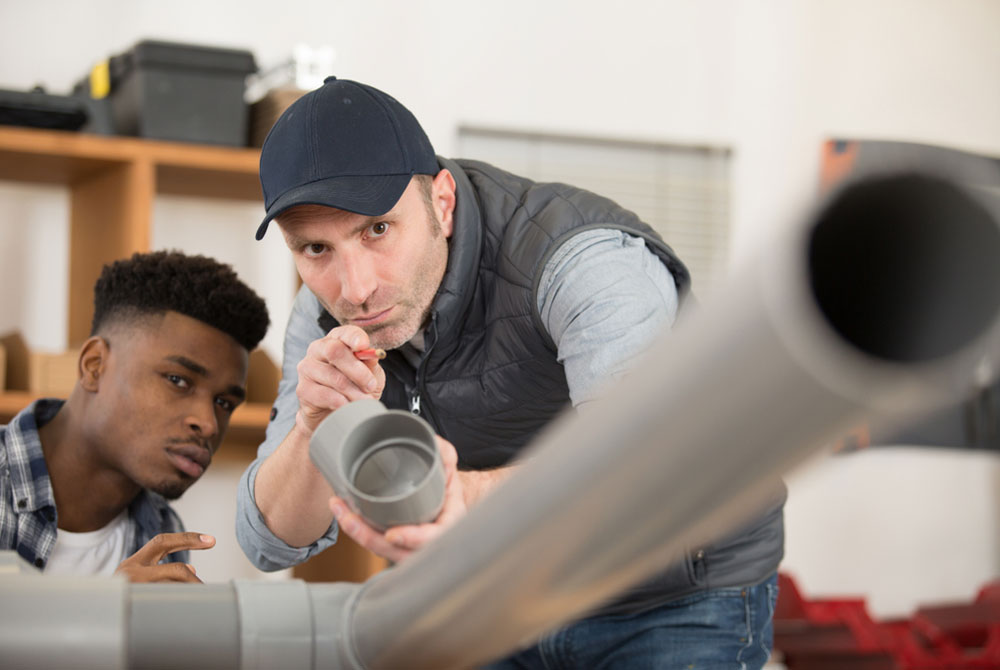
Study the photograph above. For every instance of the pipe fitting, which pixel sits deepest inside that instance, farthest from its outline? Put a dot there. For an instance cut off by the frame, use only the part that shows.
(383, 463)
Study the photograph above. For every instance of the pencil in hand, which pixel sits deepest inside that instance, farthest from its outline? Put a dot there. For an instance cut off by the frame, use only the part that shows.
(370, 354)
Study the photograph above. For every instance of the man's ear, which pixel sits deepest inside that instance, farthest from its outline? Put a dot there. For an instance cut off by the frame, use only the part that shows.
(443, 196)
(93, 358)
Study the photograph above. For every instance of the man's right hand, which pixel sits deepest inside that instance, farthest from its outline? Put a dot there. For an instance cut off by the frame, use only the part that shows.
(330, 376)
(144, 565)
(290, 492)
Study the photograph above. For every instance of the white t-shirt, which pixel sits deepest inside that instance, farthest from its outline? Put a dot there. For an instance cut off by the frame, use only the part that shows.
(98, 552)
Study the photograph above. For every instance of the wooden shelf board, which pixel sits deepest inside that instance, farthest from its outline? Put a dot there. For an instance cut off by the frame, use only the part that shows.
(208, 183)
(61, 143)
(12, 402)
(48, 169)
(61, 157)
(113, 181)
(250, 417)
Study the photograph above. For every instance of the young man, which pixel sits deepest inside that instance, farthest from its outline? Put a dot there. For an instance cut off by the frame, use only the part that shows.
(84, 483)
(501, 301)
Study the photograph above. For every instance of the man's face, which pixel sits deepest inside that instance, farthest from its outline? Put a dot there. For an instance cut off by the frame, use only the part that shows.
(166, 392)
(378, 273)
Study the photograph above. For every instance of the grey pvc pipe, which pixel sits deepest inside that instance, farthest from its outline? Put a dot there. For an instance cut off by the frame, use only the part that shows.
(53, 622)
(204, 618)
(887, 301)
(246, 624)
(58, 622)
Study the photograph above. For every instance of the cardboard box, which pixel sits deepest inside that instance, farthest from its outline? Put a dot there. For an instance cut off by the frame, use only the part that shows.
(16, 357)
(52, 374)
(266, 111)
(262, 378)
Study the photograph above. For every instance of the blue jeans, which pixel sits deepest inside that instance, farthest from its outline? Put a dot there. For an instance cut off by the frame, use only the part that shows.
(721, 629)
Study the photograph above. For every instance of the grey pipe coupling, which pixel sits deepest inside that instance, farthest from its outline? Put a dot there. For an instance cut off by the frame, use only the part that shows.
(384, 463)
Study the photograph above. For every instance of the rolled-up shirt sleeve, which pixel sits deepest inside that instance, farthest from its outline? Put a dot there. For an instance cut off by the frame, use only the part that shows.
(265, 549)
(603, 297)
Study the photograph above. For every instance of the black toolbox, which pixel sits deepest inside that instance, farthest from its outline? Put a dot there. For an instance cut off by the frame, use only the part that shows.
(39, 109)
(183, 92)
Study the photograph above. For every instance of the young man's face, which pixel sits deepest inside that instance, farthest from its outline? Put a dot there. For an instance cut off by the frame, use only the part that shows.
(378, 273)
(166, 392)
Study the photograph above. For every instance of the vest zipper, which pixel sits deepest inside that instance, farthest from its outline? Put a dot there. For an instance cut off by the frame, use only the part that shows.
(416, 406)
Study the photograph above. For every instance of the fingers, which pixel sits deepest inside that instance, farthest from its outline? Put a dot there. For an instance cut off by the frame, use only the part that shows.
(454, 507)
(164, 572)
(344, 371)
(330, 375)
(358, 530)
(167, 543)
(144, 565)
(413, 537)
(449, 457)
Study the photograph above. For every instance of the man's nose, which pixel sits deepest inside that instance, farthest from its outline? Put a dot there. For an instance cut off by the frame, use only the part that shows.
(357, 277)
(202, 419)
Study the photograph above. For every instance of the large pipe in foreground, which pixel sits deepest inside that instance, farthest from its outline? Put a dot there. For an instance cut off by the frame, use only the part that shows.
(888, 300)
(696, 437)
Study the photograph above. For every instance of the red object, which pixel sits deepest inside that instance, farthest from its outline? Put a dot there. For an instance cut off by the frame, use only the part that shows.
(370, 354)
(839, 633)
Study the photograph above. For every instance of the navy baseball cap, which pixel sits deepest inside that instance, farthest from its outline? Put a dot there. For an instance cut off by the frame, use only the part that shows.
(344, 145)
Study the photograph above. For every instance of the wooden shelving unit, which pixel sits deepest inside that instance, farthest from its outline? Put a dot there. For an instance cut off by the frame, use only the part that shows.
(112, 183)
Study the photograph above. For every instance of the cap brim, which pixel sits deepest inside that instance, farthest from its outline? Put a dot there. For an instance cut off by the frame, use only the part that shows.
(367, 195)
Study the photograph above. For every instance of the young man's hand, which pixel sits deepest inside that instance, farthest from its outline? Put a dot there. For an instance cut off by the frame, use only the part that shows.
(144, 565)
(398, 542)
(330, 376)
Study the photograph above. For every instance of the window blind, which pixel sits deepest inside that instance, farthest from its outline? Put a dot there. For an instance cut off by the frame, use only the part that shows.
(683, 192)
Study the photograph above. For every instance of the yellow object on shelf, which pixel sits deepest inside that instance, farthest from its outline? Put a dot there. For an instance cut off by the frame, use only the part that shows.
(100, 80)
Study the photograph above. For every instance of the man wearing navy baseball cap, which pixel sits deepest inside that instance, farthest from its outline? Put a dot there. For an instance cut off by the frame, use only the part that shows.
(500, 301)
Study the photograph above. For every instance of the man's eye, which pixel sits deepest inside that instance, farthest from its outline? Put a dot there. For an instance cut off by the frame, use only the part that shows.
(378, 229)
(226, 404)
(178, 381)
(313, 250)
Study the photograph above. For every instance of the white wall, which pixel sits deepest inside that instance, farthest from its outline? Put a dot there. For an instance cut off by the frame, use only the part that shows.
(768, 79)
(900, 526)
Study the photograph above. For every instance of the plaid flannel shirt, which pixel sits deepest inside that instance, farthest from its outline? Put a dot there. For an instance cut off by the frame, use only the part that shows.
(28, 517)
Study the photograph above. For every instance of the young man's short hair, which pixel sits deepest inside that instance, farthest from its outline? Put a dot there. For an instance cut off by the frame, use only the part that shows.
(196, 286)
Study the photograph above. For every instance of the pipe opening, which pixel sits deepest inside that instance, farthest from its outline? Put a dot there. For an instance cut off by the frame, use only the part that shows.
(392, 468)
(906, 268)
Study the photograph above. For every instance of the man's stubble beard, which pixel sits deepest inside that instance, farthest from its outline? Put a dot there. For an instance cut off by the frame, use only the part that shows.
(394, 335)
(425, 290)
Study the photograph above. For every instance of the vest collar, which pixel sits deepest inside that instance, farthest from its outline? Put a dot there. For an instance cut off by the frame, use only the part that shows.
(464, 250)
